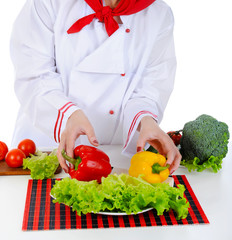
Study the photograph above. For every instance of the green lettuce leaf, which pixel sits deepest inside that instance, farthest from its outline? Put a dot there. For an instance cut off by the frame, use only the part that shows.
(42, 165)
(215, 163)
(120, 193)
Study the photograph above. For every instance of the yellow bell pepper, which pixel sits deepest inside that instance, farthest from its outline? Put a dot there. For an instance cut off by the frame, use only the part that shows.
(151, 167)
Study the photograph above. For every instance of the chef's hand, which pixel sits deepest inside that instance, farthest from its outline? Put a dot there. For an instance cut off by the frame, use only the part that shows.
(151, 133)
(77, 124)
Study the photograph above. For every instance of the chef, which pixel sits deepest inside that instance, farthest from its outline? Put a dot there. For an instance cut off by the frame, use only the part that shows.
(94, 72)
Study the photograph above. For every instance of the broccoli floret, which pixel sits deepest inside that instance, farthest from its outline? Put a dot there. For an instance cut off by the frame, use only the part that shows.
(204, 143)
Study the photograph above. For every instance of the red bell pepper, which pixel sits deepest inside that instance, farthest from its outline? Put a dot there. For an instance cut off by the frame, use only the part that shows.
(89, 163)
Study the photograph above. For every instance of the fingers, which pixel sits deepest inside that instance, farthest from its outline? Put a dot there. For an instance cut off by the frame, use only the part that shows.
(70, 144)
(141, 143)
(67, 143)
(91, 136)
(173, 159)
(85, 128)
(77, 124)
(152, 134)
(61, 160)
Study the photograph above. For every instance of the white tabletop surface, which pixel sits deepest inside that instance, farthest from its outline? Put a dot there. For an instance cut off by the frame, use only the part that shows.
(214, 192)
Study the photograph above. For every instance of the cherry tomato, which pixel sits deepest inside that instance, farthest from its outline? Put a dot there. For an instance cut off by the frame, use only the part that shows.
(175, 136)
(3, 150)
(14, 158)
(27, 146)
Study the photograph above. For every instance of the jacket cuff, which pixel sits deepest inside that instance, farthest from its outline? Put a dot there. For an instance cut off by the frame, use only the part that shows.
(62, 116)
(131, 137)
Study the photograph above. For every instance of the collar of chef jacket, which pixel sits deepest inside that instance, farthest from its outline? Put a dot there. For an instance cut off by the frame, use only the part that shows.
(109, 56)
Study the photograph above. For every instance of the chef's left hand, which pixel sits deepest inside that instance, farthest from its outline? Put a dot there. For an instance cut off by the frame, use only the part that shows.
(151, 133)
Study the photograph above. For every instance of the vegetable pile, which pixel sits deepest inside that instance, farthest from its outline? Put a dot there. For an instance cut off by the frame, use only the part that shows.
(42, 165)
(120, 193)
(204, 143)
(14, 157)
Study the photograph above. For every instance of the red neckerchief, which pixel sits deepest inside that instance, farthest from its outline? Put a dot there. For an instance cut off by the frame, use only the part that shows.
(105, 14)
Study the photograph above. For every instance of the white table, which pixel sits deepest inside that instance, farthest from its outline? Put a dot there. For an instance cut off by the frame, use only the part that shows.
(214, 192)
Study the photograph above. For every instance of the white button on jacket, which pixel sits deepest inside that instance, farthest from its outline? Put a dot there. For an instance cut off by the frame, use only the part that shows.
(130, 74)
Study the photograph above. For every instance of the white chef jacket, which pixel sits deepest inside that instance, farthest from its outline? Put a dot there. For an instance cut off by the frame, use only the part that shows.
(115, 80)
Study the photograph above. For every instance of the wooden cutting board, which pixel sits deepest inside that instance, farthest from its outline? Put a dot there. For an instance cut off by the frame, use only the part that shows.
(5, 170)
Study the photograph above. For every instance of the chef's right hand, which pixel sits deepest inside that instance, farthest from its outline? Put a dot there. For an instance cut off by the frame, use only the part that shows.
(77, 124)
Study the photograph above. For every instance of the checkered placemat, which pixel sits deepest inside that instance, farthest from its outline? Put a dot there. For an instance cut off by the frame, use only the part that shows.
(42, 214)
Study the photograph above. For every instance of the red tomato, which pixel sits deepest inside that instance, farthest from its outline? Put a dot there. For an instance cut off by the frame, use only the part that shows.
(175, 136)
(27, 146)
(14, 158)
(3, 150)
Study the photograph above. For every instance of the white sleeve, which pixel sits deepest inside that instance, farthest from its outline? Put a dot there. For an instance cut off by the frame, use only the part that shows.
(38, 85)
(152, 93)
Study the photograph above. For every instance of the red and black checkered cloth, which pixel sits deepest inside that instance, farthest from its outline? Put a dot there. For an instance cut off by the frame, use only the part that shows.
(42, 214)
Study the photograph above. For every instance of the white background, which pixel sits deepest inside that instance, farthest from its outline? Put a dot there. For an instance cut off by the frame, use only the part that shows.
(203, 37)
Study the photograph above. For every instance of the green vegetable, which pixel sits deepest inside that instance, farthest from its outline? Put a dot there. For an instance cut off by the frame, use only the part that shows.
(42, 165)
(120, 193)
(204, 143)
(152, 149)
